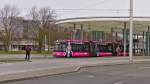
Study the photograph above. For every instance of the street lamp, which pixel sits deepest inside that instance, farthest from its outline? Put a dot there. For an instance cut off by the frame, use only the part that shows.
(131, 32)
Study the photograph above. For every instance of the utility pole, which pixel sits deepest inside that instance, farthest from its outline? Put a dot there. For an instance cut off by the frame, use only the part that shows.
(125, 40)
(10, 42)
(45, 40)
(148, 40)
(143, 43)
(131, 33)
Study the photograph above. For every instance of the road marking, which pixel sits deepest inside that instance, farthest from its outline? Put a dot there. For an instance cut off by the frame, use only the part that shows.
(146, 67)
(91, 76)
(105, 58)
(119, 82)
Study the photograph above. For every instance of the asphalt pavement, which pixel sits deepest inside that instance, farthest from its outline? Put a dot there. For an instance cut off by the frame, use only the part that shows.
(53, 66)
(22, 56)
(115, 74)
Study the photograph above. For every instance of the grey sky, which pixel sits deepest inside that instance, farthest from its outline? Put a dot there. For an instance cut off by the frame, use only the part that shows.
(100, 7)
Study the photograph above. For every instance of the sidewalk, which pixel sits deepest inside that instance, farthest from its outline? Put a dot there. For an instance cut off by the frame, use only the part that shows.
(37, 68)
(22, 56)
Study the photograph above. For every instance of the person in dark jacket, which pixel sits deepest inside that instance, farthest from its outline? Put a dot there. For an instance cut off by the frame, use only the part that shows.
(28, 50)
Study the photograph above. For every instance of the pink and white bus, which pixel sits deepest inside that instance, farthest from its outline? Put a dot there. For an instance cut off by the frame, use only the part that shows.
(74, 48)
(79, 48)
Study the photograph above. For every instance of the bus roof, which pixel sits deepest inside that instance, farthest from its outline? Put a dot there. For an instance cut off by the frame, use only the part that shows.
(72, 41)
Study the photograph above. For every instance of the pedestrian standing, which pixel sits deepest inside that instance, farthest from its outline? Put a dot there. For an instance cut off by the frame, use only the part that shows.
(28, 50)
(118, 50)
(69, 50)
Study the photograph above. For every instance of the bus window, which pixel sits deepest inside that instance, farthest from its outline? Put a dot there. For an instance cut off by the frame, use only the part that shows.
(80, 47)
(104, 48)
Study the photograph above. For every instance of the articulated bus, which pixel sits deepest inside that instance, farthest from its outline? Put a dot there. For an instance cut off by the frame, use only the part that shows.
(79, 48)
(74, 48)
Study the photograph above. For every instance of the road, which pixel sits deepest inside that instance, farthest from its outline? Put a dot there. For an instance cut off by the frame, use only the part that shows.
(116, 74)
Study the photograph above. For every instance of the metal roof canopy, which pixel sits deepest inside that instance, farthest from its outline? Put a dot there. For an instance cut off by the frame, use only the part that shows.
(106, 23)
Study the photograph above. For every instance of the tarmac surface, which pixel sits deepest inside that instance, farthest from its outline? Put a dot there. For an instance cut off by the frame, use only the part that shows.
(115, 74)
(42, 65)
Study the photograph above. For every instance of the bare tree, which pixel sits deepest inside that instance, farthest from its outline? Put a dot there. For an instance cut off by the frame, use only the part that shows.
(43, 19)
(8, 17)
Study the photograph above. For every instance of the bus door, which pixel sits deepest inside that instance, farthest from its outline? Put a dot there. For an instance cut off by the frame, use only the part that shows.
(93, 49)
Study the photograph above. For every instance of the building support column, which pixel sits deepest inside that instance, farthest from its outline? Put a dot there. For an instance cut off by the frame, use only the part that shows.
(82, 34)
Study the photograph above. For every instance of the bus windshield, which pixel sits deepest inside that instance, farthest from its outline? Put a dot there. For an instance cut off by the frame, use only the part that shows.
(60, 47)
(80, 47)
(104, 48)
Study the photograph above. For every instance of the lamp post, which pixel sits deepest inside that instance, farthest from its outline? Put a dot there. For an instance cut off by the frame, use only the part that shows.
(45, 40)
(10, 41)
(131, 32)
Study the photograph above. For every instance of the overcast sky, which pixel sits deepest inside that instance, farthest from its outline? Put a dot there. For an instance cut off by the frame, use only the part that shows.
(84, 7)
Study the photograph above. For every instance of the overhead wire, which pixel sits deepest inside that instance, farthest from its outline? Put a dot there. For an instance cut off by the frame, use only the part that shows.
(87, 9)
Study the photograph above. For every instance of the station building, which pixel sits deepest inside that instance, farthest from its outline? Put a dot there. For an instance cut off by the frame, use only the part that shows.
(110, 29)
